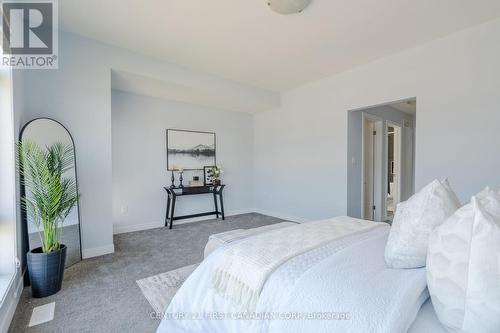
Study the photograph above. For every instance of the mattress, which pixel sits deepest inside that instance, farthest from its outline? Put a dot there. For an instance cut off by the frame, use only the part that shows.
(390, 299)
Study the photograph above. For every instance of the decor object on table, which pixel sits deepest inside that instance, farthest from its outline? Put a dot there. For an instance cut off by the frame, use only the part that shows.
(195, 182)
(50, 196)
(172, 180)
(212, 175)
(191, 149)
(181, 171)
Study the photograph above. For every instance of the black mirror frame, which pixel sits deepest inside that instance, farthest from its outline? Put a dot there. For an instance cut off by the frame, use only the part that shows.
(24, 217)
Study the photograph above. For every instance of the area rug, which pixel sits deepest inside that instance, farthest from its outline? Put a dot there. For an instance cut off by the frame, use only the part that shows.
(160, 289)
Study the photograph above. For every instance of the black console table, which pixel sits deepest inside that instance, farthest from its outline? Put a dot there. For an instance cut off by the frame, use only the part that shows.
(174, 192)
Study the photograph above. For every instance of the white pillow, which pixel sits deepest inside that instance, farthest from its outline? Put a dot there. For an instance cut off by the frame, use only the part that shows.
(463, 266)
(413, 222)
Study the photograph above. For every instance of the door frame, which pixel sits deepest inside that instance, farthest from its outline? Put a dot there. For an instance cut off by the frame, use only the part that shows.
(386, 162)
(378, 189)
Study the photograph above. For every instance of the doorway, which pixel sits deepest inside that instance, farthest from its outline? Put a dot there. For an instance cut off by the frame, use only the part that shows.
(393, 167)
(381, 159)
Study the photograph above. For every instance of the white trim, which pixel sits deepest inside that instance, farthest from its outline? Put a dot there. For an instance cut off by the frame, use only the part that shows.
(385, 180)
(363, 148)
(121, 229)
(377, 200)
(98, 251)
(9, 305)
(388, 103)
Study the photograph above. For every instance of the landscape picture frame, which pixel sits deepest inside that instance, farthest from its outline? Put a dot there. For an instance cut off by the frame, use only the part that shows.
(190, 149)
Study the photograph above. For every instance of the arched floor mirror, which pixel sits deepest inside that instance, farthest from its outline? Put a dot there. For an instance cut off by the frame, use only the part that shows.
(45, 132)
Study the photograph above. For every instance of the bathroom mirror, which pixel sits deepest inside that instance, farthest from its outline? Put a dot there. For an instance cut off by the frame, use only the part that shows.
(45, 132)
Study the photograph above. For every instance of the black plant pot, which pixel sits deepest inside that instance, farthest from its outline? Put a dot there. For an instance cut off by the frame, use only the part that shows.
(46, 271)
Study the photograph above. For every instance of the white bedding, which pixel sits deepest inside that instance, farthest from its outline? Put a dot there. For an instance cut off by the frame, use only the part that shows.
(243, 269)
(427, 321)
(346, 280)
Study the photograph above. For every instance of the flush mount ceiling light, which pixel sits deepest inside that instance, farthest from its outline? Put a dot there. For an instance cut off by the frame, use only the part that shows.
(288, 6)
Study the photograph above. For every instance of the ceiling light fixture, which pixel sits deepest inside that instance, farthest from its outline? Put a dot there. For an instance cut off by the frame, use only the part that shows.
(288, 6)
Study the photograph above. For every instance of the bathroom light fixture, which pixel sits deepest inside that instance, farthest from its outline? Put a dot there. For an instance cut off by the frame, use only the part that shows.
(288, 6)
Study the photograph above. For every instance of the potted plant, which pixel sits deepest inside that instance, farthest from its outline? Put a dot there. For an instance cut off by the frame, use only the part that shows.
(49, 198)
(214, 173)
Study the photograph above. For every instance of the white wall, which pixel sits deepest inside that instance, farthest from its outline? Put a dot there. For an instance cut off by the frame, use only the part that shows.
(300, 148)
(139, 125)
(78, 95)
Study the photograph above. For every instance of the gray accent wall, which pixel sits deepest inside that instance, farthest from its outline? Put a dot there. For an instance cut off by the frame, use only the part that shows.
(139, 125)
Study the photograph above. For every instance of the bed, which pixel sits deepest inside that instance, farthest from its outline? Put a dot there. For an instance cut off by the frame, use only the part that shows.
(341, 286)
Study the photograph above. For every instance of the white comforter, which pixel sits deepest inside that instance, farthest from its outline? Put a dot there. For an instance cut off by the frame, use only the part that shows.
(343, 286)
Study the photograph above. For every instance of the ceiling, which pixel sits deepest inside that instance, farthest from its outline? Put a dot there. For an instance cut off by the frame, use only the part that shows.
(218, 97)
(409, 106)
(245, 41)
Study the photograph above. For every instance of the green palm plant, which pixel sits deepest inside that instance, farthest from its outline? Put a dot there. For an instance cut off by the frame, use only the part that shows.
(50, 196)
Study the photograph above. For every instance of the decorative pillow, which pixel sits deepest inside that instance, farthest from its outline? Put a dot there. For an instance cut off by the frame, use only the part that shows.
(463, 266)
(413, 222)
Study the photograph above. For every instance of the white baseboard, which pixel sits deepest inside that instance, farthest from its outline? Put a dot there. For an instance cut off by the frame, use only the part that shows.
(282, 216)
(8, 307)
(120, 229)
(98, 251)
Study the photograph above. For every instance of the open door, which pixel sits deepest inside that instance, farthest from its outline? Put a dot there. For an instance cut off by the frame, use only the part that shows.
(372, 167)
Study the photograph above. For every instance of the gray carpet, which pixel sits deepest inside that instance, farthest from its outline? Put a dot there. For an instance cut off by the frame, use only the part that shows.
(101, 295)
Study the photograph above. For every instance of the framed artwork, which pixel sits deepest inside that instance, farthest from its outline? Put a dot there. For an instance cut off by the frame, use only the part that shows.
(190, 150)
(207, 178)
